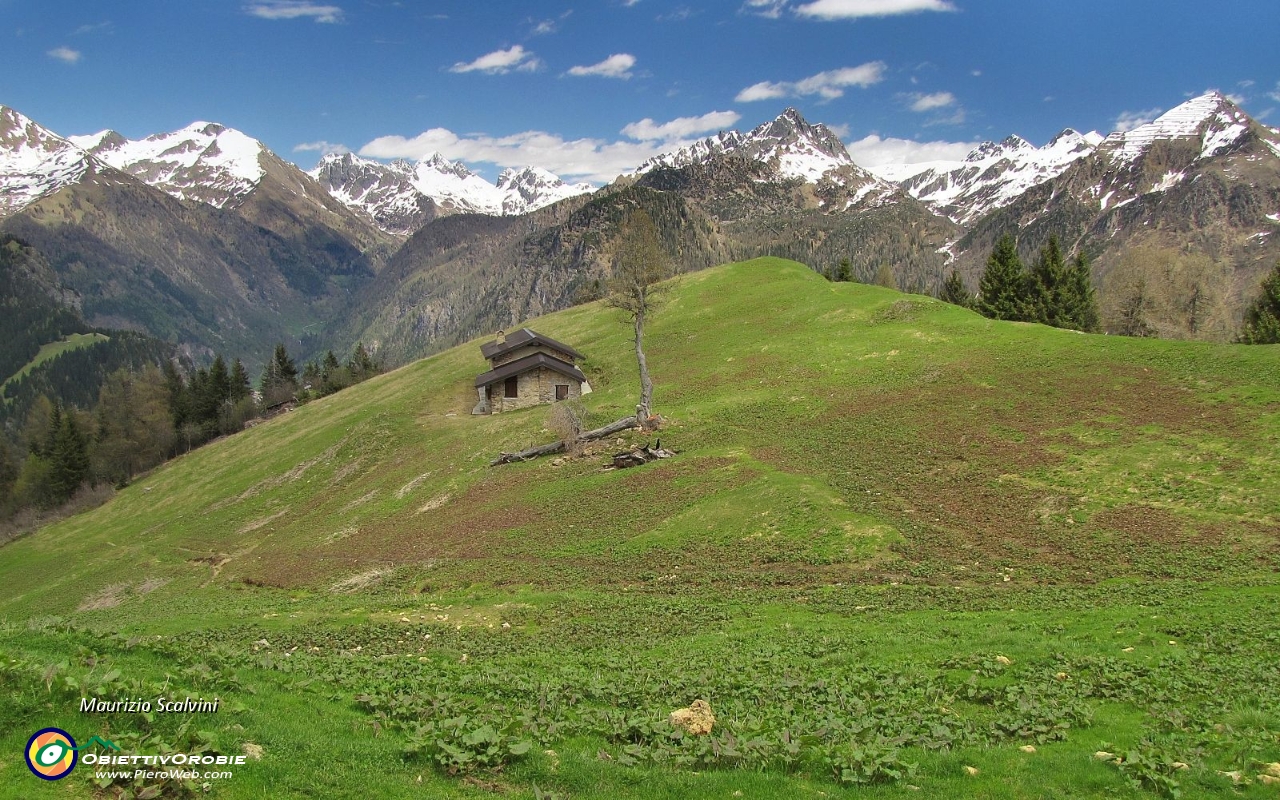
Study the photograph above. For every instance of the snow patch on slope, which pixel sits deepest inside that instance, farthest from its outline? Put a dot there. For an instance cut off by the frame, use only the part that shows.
(992, 175)
(402, 196)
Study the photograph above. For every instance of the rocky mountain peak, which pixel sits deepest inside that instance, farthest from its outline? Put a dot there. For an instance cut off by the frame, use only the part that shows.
(402, 196)
(790, 131)
(439, 163)
(18, 131)
(1211, 117)
(34, 162)
(205, 161)
(789, 144)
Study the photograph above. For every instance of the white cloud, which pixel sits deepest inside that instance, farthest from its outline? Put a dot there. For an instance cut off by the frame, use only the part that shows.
(294, 9)
(595, 160)
(322, 147)
(770, 9)
(930, 102)
(617, 65)
(65, 54)
(1128, 120)
(1275, 93)
(853, 9)
(590, 159)
(646, 130)
(500, 62)
(678, 15)
(543, 28)
(86, 29)
(873, 151)
(828, 85)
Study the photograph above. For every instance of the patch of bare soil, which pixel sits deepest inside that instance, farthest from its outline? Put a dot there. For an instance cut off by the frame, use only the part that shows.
(106, 597)
(944, 459)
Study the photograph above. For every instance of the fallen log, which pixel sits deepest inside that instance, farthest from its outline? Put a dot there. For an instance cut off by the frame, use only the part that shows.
(641, 455)
(557, 447)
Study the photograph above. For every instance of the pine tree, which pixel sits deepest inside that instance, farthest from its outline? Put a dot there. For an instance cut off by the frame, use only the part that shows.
(204, 404)
(332, 376)
(1002, 290)
(1262, 319)
(1082, 297)
(954, 291)
(68, 459)
(844, 272)
(1047, 287)
(8, 477)
(219, 381)
(884, 277)
(279, 378)
(285, 369)
(362, 366)
(179, 398)
(240, 388)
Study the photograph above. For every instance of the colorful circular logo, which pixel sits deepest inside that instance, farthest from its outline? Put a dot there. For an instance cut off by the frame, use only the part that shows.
(51, 753)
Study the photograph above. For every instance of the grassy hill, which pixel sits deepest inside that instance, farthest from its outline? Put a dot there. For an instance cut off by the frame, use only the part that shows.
(896, 534)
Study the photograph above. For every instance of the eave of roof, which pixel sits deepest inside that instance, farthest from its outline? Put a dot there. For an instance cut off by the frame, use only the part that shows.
(527, 363)
(525, 338)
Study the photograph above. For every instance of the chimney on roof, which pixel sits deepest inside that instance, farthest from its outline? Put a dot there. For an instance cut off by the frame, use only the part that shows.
(501, 337)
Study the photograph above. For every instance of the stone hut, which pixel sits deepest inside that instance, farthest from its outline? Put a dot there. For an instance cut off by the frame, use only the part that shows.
(528, 369)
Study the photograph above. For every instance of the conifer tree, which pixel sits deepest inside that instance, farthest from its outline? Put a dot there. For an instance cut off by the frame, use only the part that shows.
(68, 459)
(954, 291)
(240, 388)
(1047, 287)
(332, 376)
(179, 398)
(1262, 319)
(1002, 290)
(362, 365)
(279, 378)
(1082, 296)
(219, 381)
(844, 272)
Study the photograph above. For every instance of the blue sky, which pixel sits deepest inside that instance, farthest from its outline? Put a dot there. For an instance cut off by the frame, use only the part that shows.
(588, 89)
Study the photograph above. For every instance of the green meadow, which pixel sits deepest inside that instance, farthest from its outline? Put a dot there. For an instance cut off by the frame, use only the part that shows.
(72, 341)
(903, 551)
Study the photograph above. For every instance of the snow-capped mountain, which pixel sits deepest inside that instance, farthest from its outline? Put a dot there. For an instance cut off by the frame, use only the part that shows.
(793, 149)
(35, 162)
(1201, 129)
(403, 196)
(532, 188)
(991, 176)
(789, 144)
(1199, 185)
(204, 161)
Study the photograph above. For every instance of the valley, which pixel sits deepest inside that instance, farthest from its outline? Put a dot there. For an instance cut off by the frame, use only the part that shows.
(902, 549)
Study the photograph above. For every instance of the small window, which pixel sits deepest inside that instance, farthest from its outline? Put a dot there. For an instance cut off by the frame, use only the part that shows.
(512, 387)
(562, 391)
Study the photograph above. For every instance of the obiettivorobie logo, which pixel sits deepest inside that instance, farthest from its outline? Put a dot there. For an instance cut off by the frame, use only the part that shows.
(52, 753)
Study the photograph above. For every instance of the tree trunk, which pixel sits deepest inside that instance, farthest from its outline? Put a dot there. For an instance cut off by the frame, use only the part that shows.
(556, 447)
(643, 412)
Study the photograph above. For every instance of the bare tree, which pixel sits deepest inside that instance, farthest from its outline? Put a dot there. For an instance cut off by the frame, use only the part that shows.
(638, 265)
